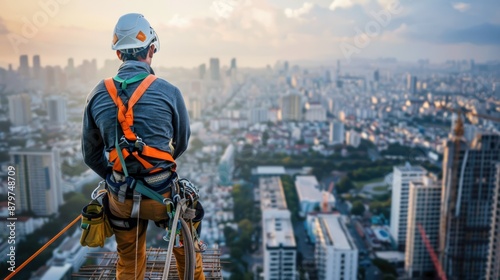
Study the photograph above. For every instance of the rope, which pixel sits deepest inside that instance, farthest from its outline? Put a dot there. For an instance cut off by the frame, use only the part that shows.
(26, 262)
(173, 230)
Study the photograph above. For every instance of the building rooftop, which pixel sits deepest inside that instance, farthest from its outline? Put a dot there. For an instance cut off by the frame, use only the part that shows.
(335, 231)
(277, 228)
(307, 188)
(271, 193)
(270, 170)
(410, 168)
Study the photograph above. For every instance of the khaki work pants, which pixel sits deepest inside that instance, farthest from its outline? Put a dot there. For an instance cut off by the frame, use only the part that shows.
(149, 210)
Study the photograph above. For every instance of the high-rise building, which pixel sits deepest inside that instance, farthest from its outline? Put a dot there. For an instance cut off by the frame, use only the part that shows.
(233, 64)
(195, 108)
(337, 133)
(37, 68)
(424, 204)
(20, 109)
(493, 265)
(214, 69)
(353, 138)
(336, 254)
(24, 68)
(467, 218)
(278, 238)
(38, 177)
(56, 109)
(202, 71)
(376, 76)
(291, 107)
(226, 166)
(280, 249)
(402, 176)
(411, 84)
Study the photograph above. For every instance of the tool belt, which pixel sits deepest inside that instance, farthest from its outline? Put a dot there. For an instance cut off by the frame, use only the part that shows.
(160, 182)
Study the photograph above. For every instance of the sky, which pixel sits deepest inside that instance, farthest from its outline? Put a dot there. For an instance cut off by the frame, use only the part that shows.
(256, 32)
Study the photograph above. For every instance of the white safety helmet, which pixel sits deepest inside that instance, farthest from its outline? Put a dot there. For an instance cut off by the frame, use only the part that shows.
(133, 33)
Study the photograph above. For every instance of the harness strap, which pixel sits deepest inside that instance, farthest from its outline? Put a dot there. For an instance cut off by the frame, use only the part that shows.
(125, 118)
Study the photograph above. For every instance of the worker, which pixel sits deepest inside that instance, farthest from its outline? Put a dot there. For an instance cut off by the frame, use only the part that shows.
(144, 118)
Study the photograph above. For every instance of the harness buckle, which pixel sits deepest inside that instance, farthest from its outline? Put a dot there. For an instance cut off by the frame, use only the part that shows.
(139, 144)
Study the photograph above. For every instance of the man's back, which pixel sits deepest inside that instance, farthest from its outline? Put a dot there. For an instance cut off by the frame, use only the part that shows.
(160, 116)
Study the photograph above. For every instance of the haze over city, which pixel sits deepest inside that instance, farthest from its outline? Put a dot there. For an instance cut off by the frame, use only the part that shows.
(258, 32)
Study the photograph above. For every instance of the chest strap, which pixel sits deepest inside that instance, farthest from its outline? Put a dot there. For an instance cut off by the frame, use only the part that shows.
(132, 144)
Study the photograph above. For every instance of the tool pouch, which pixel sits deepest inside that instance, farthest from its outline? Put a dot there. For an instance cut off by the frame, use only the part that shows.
(95, 225)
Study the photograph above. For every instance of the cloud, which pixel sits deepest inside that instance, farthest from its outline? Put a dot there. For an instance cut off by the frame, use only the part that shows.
(345, 4)
(298, 13)
(483, 34)
(223, 8)
(461, 7)
(178, 21)
(3, 28)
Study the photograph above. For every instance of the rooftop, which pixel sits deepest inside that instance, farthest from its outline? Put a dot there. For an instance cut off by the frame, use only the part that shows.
(270, 170)
(333, 228)
(271, 193)
(277, 228)
(307, 188)
(410, 168)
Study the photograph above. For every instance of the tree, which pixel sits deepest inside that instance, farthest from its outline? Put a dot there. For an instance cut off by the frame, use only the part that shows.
(358, 208)
(345, 185)
(385, 267)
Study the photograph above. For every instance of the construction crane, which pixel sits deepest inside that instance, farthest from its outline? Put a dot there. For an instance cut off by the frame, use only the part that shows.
(325, 207)
(434, 258)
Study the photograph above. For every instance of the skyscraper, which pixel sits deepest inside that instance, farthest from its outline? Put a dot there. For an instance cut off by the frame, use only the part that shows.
(56, 108)
(424, 203)
(233, 64)
(20, 109)
(291, 107)
(38, 178)
(376, 75)
(37, 68)
(214, 69)
(402, 176)
(467, 217)
(202, 71)
(337, 133)
(493, 265)
(411, 84)
(24, 68)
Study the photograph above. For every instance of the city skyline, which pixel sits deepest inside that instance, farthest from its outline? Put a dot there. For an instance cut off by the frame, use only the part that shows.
(258, 32)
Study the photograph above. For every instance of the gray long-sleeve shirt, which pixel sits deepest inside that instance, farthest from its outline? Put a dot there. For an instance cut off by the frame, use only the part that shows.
(160, 116)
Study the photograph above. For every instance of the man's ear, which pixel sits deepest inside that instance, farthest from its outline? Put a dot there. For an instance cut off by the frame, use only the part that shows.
(119, 55)
(151, 51)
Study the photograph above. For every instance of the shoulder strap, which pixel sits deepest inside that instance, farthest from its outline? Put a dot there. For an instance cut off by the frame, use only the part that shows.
(126, 114)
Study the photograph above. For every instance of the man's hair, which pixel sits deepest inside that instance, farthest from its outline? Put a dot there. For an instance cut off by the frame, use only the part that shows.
(142, 54)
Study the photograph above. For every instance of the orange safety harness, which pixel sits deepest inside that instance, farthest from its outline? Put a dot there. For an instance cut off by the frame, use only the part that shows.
(130, 143)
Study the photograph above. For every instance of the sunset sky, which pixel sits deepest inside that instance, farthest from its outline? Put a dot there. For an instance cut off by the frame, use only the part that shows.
(256, 32)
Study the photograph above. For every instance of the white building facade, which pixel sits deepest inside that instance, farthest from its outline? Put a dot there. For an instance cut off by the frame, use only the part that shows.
(424, 204)
(336, 254)
(402, 177)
